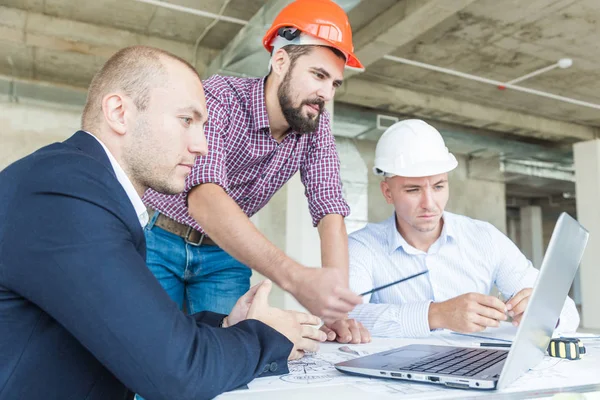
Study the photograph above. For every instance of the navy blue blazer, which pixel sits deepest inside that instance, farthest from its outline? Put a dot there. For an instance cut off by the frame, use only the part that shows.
(81, 316)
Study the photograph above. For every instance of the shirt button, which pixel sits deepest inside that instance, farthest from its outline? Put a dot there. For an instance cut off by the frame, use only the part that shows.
(273, 367)
(263, 175)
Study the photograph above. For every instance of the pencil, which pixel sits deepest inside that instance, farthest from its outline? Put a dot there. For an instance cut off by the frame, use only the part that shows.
(393, 283)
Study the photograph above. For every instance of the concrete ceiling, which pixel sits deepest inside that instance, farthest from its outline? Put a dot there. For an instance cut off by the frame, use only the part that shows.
(147, 19)
(64, 42)
(503, 40)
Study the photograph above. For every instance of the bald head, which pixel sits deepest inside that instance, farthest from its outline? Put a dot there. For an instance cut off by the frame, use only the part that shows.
(133, 71)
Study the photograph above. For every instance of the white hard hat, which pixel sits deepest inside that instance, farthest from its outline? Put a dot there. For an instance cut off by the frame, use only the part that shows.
(412, 148)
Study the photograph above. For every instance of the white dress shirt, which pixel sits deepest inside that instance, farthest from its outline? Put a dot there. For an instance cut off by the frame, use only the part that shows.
(134, 197)
(469, 256)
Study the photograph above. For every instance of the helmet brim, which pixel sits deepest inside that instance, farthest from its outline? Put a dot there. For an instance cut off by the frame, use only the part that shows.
(421, 169)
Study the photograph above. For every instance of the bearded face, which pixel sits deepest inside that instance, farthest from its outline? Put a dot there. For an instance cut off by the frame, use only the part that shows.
(302, 115)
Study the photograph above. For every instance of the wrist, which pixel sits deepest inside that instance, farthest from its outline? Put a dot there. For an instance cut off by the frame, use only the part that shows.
(434, 316)
(344, 271)
(291, 274)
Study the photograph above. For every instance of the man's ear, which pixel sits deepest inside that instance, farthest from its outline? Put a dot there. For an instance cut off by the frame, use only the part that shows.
(114, 106)
(280, 62)
(385, 190)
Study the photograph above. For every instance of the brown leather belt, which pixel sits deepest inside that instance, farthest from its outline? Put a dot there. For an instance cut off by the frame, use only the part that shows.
(189, 234)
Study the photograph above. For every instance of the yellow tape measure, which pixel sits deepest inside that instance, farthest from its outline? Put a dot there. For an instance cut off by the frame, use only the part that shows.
(568, 348)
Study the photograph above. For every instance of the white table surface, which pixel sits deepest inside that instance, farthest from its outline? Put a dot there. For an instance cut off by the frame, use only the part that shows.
(554, 379)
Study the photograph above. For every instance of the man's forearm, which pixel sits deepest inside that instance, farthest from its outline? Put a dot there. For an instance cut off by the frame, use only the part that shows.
(334, 242)
(228, 226)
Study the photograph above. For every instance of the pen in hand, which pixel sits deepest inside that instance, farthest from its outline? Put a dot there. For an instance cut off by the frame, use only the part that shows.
(500, 297)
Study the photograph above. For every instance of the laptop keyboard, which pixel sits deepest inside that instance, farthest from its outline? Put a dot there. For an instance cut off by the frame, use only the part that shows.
(463, 362)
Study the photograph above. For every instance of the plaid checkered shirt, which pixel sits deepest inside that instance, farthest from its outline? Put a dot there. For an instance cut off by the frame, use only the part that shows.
(249, 164)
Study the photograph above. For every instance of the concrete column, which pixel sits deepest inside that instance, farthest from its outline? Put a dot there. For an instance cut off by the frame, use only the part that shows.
(27, 126)
(532, 234)
(587, 188)
(302, 239)
(512, 229)
(478, 198)
(354, 175)
(377, 208)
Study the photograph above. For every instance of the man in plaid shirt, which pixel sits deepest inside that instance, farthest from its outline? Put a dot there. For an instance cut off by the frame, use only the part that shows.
(260, 132)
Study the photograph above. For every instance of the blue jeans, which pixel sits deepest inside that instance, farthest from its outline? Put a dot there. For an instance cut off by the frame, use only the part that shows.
(205, 277)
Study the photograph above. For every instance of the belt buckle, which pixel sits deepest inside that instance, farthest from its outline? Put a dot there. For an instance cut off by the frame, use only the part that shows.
(187, 237)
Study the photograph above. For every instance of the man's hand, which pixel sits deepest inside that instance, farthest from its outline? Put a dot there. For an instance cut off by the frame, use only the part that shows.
(517, 304)
(471, 312)
(346, 331)
(296, 326)
(324, 292)
(241, 307)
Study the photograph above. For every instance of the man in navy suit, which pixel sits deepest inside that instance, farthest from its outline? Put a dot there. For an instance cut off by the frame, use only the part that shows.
(81, 316)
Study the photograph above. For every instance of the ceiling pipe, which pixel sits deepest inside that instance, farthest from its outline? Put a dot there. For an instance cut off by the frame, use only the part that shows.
(491, 81)
(245, 55)
(206, 30)
(562, 63)
(194, 11)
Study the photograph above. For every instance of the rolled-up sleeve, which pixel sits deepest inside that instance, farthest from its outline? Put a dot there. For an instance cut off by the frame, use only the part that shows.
(211, 168)
(320, 173)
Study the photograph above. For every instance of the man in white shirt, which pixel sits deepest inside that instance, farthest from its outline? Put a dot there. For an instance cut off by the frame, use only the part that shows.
(464, 257)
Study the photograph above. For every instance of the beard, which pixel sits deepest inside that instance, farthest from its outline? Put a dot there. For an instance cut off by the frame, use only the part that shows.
(297, 121)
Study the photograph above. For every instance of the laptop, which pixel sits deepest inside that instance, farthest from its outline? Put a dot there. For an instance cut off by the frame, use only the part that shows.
(489, 368)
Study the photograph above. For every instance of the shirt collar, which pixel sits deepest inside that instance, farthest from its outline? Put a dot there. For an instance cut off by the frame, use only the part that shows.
(259, 106)
(448, 231)
(395, 239)
(134, 197)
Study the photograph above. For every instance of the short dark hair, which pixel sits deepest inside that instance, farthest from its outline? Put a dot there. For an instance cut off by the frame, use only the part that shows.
(134, 70)
(296, 51)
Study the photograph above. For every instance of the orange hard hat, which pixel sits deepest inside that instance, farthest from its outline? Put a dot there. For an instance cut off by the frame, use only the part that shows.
(322, 19)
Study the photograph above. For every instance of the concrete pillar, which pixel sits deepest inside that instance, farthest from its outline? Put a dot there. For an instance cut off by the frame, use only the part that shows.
(27, 126)
(482, 199)
(302, 240)
(532, 234)
(354, 175)
(587, 188)
(377, 208)
(512, 230)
